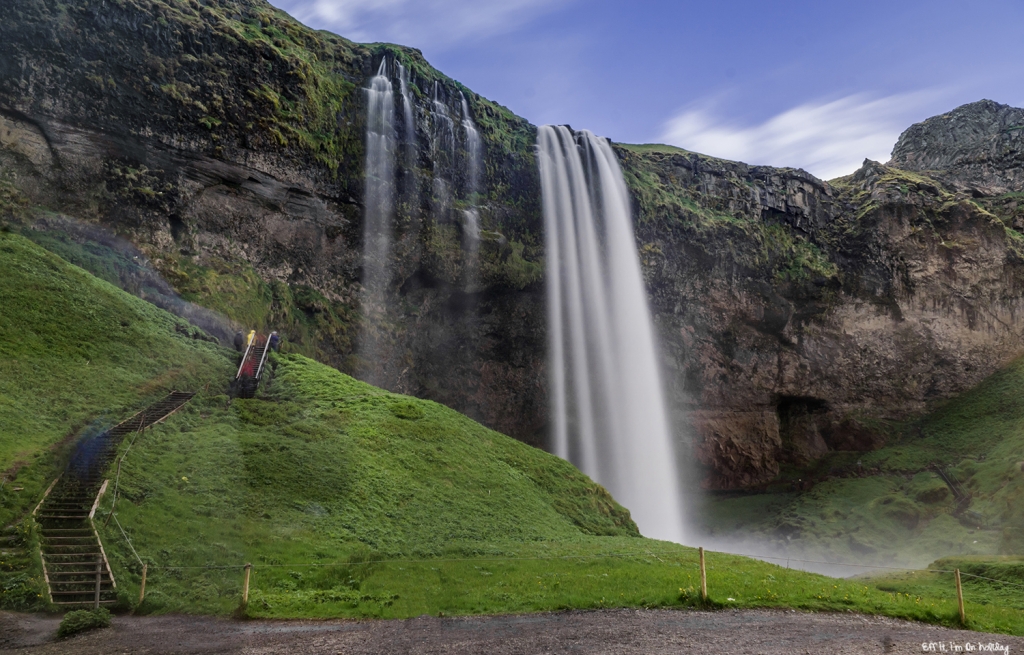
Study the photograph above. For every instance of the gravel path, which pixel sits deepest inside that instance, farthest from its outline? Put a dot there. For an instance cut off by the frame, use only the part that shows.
(647, 632)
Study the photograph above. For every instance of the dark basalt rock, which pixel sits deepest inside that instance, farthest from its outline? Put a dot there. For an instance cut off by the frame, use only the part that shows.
(796, 316)
(978, 148)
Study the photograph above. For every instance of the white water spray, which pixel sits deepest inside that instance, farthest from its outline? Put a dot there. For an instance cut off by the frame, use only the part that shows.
(608, 407)
(379, 201)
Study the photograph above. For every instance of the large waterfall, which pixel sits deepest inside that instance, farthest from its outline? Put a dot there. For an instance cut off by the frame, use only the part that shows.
(608, 408)
(379, 199)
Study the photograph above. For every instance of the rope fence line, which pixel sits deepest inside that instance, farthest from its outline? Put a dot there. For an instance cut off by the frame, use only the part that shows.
(117, 479)
(299, 565)
(129, 541)
(1006, 582)
(248, 567)
(869, 566)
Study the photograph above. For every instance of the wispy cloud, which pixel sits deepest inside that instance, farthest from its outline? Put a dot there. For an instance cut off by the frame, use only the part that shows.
(827, 139)
(419, 23)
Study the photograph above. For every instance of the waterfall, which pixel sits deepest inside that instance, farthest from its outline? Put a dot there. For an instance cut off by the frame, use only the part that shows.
(379, 202)
(444, 128)
(607, 404)
(471, 225)
(442, 150)
(410, 123)
(471, 244)
(473, 150)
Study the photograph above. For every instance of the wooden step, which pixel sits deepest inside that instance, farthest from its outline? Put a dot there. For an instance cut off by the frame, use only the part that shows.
(72, 552)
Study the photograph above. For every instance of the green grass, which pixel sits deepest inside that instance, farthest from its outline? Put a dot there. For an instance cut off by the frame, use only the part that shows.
(901, 513)
(655, 147)
(76, 350)
(349, 501)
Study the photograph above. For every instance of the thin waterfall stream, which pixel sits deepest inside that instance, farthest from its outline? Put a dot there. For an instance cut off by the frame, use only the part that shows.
(471, 216)
(607, 404)
(409, 126)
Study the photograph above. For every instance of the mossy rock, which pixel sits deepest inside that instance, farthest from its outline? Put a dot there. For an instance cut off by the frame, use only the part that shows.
(406, 409)
(897, 509)
(938, 493)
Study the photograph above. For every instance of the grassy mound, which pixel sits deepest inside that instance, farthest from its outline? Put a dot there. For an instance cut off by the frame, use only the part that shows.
(78, 621)
(325, 468)
(346, 499)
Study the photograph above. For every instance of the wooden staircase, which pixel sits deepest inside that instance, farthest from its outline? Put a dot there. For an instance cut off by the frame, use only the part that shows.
(74, 564)
(961, 497)
(254, 361)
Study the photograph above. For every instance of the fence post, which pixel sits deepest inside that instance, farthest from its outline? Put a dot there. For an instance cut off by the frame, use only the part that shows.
(960, 597)
(245, 585)
(703, 576)
(142, 589)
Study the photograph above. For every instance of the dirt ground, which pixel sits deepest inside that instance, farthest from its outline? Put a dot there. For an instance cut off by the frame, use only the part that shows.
(606, 631)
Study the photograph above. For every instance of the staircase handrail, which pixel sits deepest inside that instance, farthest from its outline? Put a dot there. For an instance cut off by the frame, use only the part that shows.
(245, 355)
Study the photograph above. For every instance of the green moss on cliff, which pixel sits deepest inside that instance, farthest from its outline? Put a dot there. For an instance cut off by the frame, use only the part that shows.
(13, 202)
(706, 223)
(309, 322)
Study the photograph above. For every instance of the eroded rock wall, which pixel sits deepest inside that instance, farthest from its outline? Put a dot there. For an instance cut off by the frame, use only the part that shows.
(796, 316)
(800, 316)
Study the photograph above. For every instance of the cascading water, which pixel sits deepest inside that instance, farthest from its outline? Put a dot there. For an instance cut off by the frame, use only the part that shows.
(379, 201)
(407, 114)
(442, 150)
(608, 408)
(471, 216)
(473, 149)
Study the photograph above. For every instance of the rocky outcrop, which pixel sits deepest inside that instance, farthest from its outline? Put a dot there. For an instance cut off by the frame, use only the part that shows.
(978, 147)
(796, 316)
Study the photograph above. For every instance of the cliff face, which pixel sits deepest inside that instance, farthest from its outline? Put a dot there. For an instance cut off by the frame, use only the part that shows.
(796, 315)
(803, 316)
(227, 141)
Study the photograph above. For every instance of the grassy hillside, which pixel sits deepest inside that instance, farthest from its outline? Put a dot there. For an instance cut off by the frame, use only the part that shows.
(888, 506)
(76, 351)
(348, 500)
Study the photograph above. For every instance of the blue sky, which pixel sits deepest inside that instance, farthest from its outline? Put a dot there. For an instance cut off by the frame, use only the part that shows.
(818, 85)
